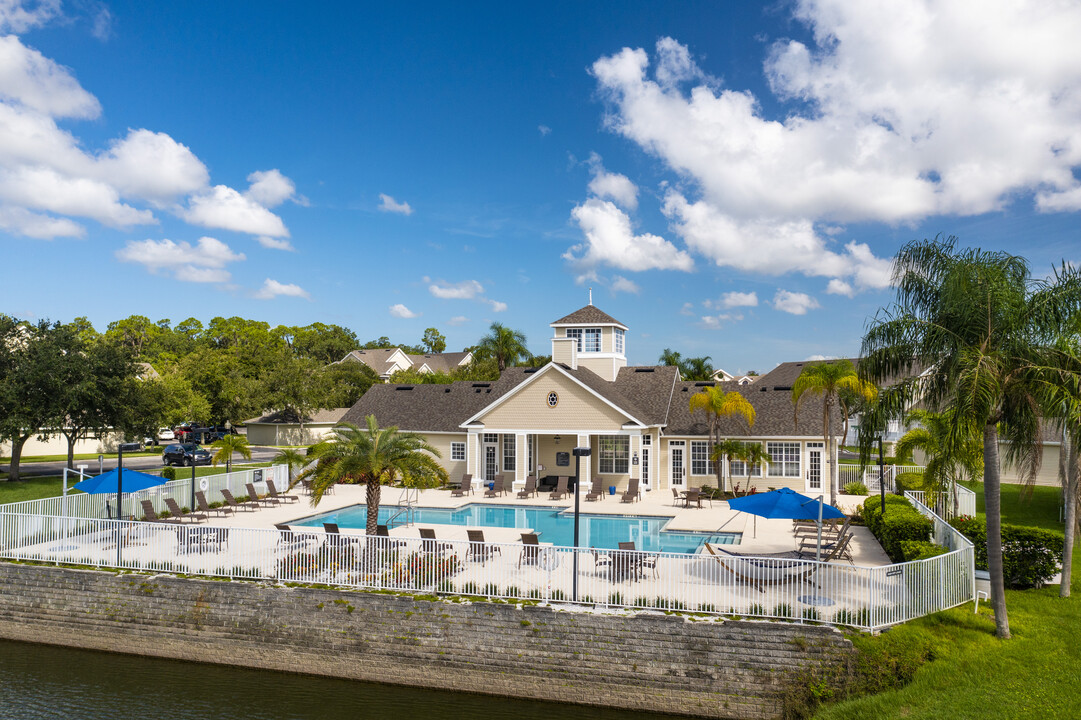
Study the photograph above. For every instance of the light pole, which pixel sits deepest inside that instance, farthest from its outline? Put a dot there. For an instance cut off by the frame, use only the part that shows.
(579, 453)
(881, 478)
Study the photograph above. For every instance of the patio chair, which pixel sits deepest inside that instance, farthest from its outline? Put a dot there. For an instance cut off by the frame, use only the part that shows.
(479, 549)
(693, 497)
(465, 486)
(204, 506)
(597, 492)
(152, 515)
(530, 489)
(191, 539)
(336, 539)
(253, 497)
(633, 493)
(175, 510)
(530, 550)
(675, 497)
(273, 492)
(601, 560)
(497, 487)
(289, 540)
(561, 488)
(233, 504)
(430, 545)
(627, 562)
(382, 531)
(760, 570)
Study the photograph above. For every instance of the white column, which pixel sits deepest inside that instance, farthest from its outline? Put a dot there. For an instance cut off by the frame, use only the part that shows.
(585, 476)
(472, 454)
(521, 461)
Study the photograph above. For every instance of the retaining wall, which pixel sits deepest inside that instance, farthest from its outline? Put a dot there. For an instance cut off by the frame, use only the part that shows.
(654, 662)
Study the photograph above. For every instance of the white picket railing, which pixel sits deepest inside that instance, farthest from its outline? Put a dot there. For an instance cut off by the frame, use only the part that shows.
(946, 504)
(869, 475)
(868, 598)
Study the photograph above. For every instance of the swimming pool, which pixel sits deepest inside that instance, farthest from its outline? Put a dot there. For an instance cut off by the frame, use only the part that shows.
(555, 525)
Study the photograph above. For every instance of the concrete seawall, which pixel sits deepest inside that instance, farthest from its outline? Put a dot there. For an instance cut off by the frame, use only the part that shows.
(661, 663)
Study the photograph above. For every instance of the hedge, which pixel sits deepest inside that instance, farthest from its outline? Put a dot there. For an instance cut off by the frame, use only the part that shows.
(901, 523)
(921, 549)
(908, 481)
(1030, 556)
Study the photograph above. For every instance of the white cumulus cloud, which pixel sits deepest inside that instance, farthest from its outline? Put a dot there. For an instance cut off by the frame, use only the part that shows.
(457, 320)
(270, 188)
(622, 284)
(610, 240)
(465, 290)
(739, 299)
(401, 311)
(796, 303)
(497, 306)
(223, 207)
(19, 16)
(205, 261)
(612, 186)
(272, 289)
(389, 204)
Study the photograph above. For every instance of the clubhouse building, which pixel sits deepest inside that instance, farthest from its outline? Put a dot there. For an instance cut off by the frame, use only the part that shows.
(636, 420)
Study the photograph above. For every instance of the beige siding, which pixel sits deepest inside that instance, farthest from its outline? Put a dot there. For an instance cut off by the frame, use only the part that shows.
(286, 434)
(455, 468)
(58, 445)
(578, 409)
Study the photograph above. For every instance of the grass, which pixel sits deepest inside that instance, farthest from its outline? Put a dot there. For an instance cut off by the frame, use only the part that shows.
(80, 456)
(1040, 509)
(973, 675)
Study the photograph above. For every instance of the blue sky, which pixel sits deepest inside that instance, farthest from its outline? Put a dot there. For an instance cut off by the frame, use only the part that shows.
(731, 179)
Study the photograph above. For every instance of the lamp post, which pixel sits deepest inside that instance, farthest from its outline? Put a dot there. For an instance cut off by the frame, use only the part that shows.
(579, 453)
(119, 502)
(881, 478)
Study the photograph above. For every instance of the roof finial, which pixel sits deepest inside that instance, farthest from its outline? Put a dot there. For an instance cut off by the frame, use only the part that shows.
(591, 296)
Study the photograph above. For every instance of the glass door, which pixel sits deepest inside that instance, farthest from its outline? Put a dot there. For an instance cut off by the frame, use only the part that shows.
(675, 462)
(814, 466)
(491, 462)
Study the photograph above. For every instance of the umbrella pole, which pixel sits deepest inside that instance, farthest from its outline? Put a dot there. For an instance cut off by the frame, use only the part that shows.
(818, 551)
(119, 506)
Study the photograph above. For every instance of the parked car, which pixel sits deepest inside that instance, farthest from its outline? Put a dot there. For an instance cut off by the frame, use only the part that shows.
(217, 432)
(163, 435)
(130, 447)
(185, 454)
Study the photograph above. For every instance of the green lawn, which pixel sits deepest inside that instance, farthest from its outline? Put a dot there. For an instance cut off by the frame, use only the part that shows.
(1040, 509)
(80, 456)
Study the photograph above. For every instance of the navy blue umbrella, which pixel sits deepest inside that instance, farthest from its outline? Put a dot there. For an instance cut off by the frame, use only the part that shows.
(788, 504)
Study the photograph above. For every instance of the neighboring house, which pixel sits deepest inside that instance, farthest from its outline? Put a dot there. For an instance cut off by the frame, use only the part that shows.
(387, 361)
(284, 428)
(722, 375)
(146, 371)
(635, 419)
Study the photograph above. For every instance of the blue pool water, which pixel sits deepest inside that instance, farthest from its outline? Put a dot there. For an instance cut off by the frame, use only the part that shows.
(555, 525)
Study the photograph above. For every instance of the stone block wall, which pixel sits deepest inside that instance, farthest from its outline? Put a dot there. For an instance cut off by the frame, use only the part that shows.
(661, 663)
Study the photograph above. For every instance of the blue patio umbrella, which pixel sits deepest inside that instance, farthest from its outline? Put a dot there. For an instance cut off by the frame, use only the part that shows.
(109, 482)
(788, 504)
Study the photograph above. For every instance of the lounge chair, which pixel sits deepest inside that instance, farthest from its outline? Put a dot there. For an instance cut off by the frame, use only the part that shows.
(530, 549)
(204, 506)
(336, 539)
(530, 488)
(810, 540)
(382, 531)
(561, 489)
(152, 515)
(837, 548)
(273, 492)
(232, 503)
(810, 527)
(289, 540)
(176, 511)
(497, 487)
(760, 570)
(633, 493)
(597, 492)
(253, 497)
(465, 486)
(191, 539)
(479, 549)
(429, 543)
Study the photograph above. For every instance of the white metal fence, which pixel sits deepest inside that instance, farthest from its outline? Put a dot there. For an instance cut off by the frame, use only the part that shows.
(868, 598)
(947, 504)
(870, 475)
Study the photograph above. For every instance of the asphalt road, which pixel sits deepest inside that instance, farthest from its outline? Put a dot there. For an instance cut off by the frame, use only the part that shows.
(38, 469)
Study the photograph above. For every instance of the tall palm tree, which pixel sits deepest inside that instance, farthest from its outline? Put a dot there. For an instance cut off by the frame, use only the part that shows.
(294, 459)
(717, 403)
(227, 446)
(670, 357)
(723, 453)
(696, 368)
(373, 456)
(507, 346)
(950, 456)
(753, 455)
(983, 332)
(828, 380)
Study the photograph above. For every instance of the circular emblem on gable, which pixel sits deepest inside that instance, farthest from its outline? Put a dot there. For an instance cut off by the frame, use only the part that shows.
(553, 399)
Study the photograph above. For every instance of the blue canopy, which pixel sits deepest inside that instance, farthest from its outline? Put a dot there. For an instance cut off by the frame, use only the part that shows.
(782, 503)
(133, 480)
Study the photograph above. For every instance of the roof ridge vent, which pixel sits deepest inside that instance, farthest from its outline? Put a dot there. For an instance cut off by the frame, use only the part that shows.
(404, 387)
(638, 370)
(705, 384)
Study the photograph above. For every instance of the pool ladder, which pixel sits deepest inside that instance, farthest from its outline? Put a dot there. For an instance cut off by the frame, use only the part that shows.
(406, 508)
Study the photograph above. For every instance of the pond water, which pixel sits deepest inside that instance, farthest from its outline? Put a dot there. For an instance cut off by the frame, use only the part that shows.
(41, 682)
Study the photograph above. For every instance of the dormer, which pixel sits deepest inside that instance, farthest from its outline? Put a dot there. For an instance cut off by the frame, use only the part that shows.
(593, 339)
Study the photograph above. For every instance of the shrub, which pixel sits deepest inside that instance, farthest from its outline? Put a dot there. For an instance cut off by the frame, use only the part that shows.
(901, 522)
(1030, 556)
(920, 550)
(855, 488)
(169, 473)
(908, 481)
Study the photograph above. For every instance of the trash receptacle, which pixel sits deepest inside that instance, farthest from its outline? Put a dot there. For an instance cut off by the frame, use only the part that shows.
(611, 489)
(491, 486)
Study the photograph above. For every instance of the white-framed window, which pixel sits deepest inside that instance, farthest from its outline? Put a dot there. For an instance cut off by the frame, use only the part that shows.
(738, 468)
(700, 462)
(784, 459)
(614, 457)
(647, 440)
(491, 437)
(457, 451)
(618, 336)
(592, 340)
(508, 453)
(576, 333)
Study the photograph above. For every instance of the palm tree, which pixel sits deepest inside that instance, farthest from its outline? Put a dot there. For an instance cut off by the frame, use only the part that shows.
(696, 368)
(983, 332)
(723, 451)
(828, 380)
(374, 456)
(752, 454)
(293, 458)
(716, 403)
(670, 357)
(950, 457)
(507, 346)
(227, 446)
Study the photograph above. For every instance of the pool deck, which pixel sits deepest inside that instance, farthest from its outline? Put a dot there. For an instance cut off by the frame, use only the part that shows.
(759, 534)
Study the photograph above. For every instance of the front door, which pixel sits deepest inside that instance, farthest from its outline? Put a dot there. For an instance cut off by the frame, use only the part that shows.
(645, 468)
(675, 462)
(814, 467)
(491, 462)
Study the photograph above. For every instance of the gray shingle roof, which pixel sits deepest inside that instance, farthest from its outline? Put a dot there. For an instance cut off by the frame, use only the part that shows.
(439, 362)
(774, 416)
(589, 314)
(650, 388)
(332, 415)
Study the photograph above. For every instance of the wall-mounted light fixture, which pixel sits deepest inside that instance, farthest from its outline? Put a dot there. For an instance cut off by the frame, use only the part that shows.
(557, 439)
(634, 458)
